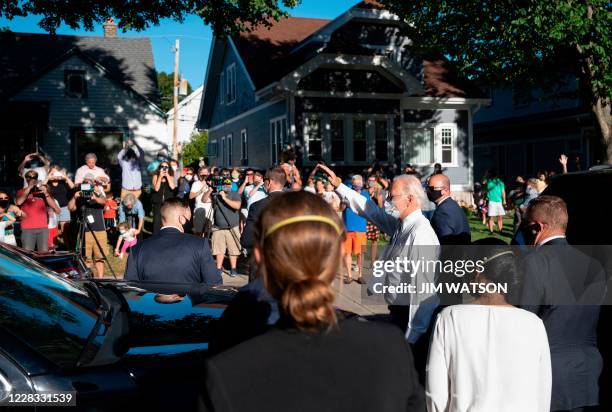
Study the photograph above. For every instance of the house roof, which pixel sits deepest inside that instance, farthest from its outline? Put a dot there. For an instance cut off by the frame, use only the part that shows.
(271, 53)
(26, 56)
(265, 51)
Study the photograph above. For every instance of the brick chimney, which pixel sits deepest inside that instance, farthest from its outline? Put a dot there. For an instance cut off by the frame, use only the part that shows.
(110, 28)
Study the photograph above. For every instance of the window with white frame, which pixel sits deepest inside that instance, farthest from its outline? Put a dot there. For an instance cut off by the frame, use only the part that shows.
(360, 140)
(336, 131)
(381, 140)
(221, 88)
(427, 144)
(244, 148)
(447, 143)
(213, 149)
(313, 137)
(228, 142)
(231, 83)
(278, 138)
(223, 151)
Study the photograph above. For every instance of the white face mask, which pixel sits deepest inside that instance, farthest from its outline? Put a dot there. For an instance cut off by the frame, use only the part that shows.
(188, 178)
(390, 209)
(122, 231)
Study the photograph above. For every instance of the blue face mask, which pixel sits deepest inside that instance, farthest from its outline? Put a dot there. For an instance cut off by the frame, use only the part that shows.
(357, 187)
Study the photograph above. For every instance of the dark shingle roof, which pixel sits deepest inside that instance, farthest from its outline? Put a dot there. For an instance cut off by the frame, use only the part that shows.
(25, 56)
(268, 54)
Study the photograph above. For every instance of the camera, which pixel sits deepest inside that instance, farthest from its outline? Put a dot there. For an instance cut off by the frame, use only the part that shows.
(86, 191)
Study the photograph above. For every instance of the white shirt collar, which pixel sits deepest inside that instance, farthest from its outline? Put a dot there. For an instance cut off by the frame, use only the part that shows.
(171, 226)
(548, 239)
(441, 201)
(411, 218)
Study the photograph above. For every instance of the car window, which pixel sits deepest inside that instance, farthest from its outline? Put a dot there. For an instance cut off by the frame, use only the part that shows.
(53, 316)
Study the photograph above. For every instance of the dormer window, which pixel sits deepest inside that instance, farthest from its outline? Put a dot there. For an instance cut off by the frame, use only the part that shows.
(76, 83)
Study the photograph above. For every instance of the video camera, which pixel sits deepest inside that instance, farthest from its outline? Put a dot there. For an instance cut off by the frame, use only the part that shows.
(215, 182)
(87, 191)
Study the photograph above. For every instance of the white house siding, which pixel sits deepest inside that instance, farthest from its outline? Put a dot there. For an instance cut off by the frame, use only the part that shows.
(108, 104)
(188, 111)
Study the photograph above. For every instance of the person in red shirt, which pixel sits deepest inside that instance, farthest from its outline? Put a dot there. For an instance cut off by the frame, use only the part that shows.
(110, 211)
(33, 201)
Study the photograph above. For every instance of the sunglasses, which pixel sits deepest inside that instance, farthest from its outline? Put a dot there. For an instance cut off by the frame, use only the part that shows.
(31, 177)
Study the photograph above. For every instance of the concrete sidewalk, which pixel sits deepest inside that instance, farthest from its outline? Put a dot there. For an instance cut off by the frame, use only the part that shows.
(348, 297)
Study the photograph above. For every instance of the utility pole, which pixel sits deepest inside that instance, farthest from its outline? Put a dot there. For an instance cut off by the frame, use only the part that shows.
(175, 97)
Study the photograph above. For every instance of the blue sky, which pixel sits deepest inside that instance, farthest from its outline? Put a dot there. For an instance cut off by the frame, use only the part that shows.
(194, 35)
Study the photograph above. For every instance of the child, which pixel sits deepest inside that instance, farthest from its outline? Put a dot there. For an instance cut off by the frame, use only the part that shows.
(110, 211)
(128, 235)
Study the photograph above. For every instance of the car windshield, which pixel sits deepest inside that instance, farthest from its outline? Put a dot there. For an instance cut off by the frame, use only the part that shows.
(50, 314)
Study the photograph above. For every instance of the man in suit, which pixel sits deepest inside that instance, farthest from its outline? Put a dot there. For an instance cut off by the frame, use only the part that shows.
(274, 182)
(448, 220)
(172, 256)
(565, 288)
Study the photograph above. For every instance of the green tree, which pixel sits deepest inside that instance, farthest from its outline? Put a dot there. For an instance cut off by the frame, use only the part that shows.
(164, 83)
(196, 148)
(224, 16)
(531, 44)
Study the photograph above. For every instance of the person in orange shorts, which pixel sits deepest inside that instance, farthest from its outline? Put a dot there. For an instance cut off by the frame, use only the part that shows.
(356, 235)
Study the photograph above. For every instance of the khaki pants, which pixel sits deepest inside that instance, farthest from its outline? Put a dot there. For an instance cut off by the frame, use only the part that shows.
(222, 240)
(134, 192)
(92, 251)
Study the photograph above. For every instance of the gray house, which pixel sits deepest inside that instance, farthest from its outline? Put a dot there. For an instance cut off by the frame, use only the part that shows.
(521, 137)
(344, 91)
(70, 95)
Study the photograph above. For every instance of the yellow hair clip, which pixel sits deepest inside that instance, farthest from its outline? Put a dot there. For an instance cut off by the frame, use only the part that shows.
(305, 218)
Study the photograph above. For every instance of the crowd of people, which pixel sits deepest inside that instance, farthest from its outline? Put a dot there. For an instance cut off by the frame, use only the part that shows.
(483, 356)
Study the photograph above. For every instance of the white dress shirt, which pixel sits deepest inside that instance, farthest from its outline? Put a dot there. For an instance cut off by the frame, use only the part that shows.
(488, 358)
(414, 238)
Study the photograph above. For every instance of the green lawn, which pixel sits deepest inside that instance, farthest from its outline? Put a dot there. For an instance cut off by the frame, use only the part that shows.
(480, 231)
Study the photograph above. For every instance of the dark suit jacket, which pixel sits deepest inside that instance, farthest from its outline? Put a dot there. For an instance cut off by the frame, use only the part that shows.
(173, 257)
(246, 239)
(358, 366)
(450, 224)
(563, 287)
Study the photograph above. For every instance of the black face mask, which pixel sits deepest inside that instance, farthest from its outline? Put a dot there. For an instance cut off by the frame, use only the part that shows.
(529, 233)
(4, 204)
(433, 195)
(187, 225)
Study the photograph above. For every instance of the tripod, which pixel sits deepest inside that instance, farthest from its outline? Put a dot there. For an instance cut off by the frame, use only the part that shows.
(82, 226)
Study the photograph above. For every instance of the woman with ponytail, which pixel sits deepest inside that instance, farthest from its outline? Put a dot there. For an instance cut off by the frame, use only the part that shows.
(314, 358)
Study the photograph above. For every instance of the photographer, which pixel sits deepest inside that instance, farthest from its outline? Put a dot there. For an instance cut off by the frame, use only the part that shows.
(34, 200)
(164, 188)
(129, 160)
(201, 191)
(35, 162)
(60, 185)
(89, 200)
(226, 236)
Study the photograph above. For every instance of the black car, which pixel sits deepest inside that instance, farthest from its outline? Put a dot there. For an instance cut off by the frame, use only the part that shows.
(110, 344)
(66, 263)
(590, 223)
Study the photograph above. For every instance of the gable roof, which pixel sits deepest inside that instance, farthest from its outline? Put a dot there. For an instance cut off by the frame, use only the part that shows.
(265, 51)
(26, 56)
(271, 53)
